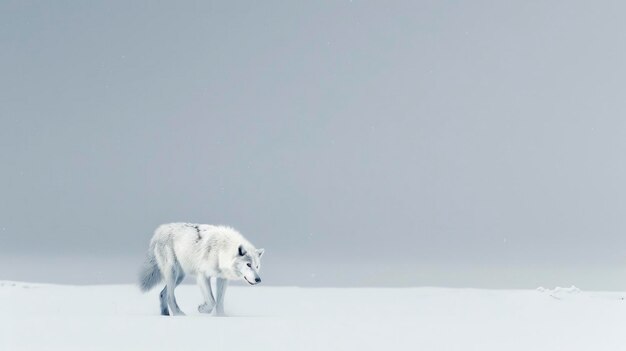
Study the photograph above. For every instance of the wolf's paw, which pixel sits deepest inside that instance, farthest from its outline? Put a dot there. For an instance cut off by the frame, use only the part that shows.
(178, 313)
(204, 308)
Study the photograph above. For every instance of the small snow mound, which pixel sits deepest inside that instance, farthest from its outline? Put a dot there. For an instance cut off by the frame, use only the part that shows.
(559, 290)
(8, 283)
(571, 290)
(559, 293)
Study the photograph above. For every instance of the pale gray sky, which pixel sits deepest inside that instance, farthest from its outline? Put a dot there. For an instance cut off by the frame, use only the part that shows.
(457, 143)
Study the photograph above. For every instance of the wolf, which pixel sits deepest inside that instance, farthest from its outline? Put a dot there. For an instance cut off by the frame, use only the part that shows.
(201, 250)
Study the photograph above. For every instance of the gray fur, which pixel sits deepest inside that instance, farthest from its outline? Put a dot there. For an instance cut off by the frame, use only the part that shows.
(150, 275)
(163, 299)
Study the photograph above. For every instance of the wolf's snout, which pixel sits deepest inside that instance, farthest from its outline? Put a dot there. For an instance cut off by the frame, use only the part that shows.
(257, 280)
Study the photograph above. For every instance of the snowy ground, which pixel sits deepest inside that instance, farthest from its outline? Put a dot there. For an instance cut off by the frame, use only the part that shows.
(118, 317)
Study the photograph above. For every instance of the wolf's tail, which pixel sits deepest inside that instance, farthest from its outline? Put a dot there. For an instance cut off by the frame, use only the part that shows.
(150, 275)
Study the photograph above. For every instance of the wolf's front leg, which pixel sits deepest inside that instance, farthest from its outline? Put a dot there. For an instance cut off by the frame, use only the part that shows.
(204, 283)
(221, 290)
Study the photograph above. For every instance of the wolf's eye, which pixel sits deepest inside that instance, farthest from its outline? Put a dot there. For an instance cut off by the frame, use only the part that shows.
(249, 265)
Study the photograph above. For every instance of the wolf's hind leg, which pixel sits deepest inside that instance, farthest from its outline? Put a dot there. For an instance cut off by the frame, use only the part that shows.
(221, 291)
(181, 276)
(171, 300)
(204, 283)
(172, 279)
(163, 300)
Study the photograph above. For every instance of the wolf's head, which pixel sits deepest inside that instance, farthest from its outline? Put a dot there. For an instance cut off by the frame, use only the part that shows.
(248, 264)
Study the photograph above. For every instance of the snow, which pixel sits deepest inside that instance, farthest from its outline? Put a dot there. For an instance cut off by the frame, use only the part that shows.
(118, 317)
(559, 291)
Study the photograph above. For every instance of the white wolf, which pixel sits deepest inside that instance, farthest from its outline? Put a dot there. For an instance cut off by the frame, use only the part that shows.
(203, 250)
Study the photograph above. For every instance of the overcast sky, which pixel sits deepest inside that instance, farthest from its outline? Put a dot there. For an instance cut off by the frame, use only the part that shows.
(455, 143)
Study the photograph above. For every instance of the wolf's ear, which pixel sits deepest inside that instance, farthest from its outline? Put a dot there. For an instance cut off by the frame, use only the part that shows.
(242, 251)
(260, 252)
